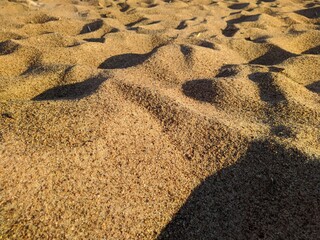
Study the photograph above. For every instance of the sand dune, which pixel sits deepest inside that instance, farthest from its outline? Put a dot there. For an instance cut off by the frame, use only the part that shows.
(157, 119)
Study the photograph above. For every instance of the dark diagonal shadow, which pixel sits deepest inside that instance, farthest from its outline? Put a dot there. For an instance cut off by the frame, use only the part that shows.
(8, 47)
(238, 6)
(97, 40)
(275, 55)
(260, 1)
(314, 87)
(129, 25)
(310, 12)
(72, 91)
(251, 18)
(270, 193)
(269, 91)
(314, 50)
(91, 27)
(230, 30)
(126, 60)
(182, 25)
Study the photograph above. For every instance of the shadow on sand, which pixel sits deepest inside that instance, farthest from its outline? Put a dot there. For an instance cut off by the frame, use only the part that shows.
(126, 60)
(270, 193)
(72, 91)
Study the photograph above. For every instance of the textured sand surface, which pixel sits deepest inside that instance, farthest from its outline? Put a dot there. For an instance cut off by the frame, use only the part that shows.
(157, 119)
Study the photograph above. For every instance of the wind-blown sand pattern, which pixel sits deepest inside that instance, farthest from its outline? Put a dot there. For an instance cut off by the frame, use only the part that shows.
(157, 119)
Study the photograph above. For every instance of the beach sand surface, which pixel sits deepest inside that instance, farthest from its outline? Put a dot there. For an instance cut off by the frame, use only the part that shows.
(160, 119)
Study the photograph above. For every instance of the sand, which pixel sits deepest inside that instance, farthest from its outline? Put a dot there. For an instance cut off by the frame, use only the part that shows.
(157, 119)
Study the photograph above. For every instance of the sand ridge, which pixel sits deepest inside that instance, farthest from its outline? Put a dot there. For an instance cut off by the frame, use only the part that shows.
(157, 119)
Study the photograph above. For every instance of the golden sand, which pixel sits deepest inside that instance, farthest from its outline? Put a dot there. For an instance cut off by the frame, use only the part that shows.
(157, 119)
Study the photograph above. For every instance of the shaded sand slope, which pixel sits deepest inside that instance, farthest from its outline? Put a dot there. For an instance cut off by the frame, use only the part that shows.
(254, 199)
(159, 119)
